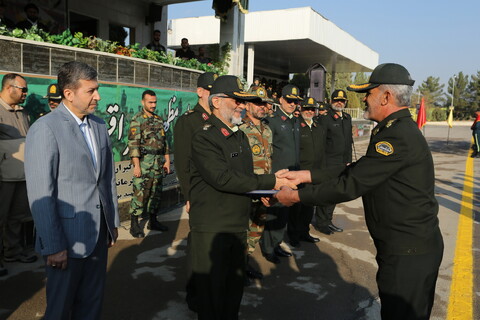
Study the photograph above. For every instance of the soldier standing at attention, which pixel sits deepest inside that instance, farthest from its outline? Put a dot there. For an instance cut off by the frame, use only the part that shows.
(259, 135)
(396, 180)
(149, 154)
(185, 126)
(338, 125)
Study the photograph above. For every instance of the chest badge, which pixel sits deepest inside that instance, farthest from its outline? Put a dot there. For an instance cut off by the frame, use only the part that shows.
(256, 150)
(384, 147)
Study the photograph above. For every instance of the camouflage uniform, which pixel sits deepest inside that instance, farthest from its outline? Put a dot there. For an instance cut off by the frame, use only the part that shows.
(260, 140)
(147, 141)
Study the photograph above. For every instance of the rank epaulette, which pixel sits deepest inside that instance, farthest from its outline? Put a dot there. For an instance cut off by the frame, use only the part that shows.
(189, 112)
(389, 123)
(206, 126)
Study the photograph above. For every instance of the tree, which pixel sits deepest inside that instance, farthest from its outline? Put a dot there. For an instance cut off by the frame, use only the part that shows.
(463, 108)
(474, 91)
(432, 91)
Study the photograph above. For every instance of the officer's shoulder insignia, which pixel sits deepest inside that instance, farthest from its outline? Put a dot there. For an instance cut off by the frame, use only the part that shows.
(145, 116)
(156, 117)
(189, 112)
(375, 131)
(256, 149)
(389, 123)
(384, 147)
(225, 132)
(205, 116)
(207, 126)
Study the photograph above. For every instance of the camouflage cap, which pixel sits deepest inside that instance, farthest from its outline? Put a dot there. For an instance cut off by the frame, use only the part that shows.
(261, 93)
(232, 87)
(386, 73)
(53, 93)
(205, 80)
(291, 92)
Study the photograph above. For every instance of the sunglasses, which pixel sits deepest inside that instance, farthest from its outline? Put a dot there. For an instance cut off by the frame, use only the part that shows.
(290, 101)
(236, 101)
(308, 109)
(24, 89)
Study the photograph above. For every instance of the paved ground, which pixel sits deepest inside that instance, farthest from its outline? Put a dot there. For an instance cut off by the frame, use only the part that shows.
(334, 279)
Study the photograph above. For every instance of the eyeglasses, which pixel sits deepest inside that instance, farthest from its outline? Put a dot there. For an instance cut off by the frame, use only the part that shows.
(24, 89)
(290, 101)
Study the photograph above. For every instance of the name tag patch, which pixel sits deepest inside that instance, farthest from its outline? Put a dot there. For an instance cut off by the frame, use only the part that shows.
(384, 147)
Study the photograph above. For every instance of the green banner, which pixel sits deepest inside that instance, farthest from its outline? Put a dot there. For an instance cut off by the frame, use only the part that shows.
(117, 106)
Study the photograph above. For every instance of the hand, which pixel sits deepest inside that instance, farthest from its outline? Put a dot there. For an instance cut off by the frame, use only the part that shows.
(268, 202)
(280, 182)
(296, 177)
(58, 260)
(137, 171)
(114, 237)
(166, 167)
(187, 206)
(287, 196)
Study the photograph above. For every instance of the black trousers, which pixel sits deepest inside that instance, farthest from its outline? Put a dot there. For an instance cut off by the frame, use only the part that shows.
(324, 215)
(218, 266)
(406, 284)
(299, 222)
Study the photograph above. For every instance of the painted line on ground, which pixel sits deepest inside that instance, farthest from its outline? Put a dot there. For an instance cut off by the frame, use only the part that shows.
(460, 305)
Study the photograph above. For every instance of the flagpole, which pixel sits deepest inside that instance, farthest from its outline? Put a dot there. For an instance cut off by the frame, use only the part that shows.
(450, 114)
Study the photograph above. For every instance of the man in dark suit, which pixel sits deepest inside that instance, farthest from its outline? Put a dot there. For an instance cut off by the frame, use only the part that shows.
(71, 188)
(31, 12)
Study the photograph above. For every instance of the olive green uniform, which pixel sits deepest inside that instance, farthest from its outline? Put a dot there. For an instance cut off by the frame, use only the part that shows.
(312, 156)
(260, 140)
(147, 142)
(396, 180)
(185, 126)
(222, 172)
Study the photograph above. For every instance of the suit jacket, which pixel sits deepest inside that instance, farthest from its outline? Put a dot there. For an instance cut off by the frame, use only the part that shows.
(67, 195)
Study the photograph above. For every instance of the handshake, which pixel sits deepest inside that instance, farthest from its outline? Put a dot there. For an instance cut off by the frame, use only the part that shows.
(287, 181)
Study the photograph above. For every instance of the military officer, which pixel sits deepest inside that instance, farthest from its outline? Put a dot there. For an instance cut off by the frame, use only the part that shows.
(184, 128)
(339, 141)
(54, 98)
(222, 172)
(150, 158)
(312, 156)
(286, 147)
(259, 135)
(396, 180)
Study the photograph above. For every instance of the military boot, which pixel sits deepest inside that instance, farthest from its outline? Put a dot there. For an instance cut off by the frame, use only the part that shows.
(135, 229)
(153, 224)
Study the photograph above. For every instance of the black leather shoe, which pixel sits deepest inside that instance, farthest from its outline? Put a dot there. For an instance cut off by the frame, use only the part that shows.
(324, 229)
(334, 228)
(309, 238)
(272, 258)
(252, 273)
(294, 243)
(153, 224)
(281, 253)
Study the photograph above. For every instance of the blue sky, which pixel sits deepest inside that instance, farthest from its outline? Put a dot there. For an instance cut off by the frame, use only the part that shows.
(429, 37)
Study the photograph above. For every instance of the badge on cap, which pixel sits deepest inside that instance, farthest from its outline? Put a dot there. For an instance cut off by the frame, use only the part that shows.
(215, 76)
(294, 91)
(240, 86)
(225, 132)
(340, 94)
(256, 150)
(310, 101)
(384, 147)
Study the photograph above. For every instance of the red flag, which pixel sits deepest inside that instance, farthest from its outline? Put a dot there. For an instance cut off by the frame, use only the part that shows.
(422, 115)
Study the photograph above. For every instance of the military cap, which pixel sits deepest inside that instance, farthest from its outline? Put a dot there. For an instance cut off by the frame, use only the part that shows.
(339, 95)
(232, 87)
(205, 80)
(291, 92)
(53, 92)
(309, 103)
(386, 73)
(261, 93)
